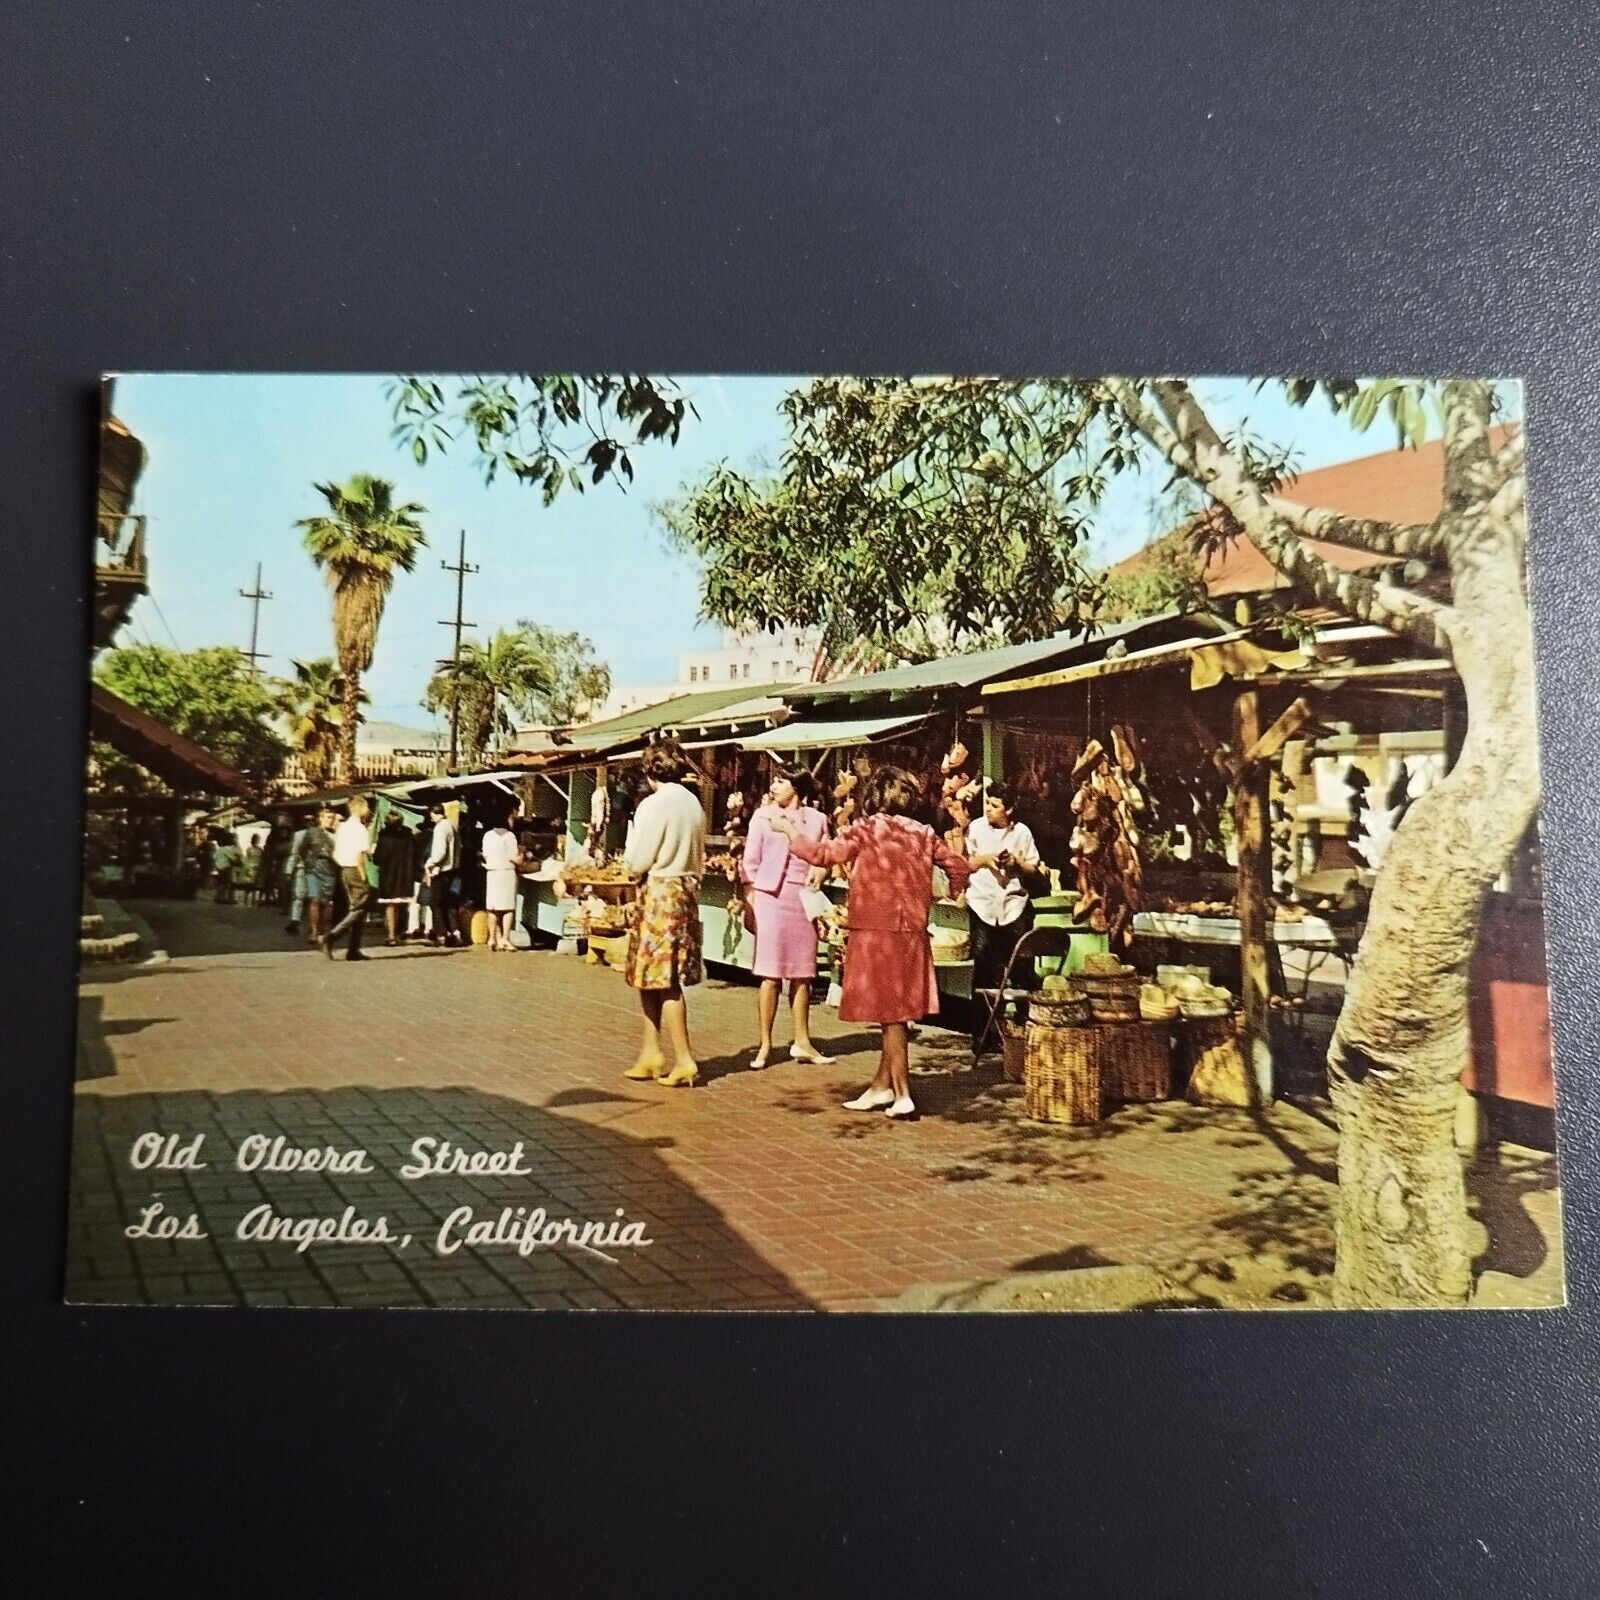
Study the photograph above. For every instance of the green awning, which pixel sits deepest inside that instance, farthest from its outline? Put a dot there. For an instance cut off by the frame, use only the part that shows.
(810, 735)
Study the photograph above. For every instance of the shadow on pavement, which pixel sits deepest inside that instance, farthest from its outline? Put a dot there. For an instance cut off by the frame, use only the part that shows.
(695, 1260)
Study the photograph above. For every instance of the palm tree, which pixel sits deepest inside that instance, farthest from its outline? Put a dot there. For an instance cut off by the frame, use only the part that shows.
(311, 707)
(486, 683)
(359, 543)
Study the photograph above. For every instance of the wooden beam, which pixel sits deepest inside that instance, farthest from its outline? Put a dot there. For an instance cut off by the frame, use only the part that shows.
(1253, 838)
(1266, 748)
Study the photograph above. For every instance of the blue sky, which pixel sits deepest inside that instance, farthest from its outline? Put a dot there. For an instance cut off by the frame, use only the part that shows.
(232, 461)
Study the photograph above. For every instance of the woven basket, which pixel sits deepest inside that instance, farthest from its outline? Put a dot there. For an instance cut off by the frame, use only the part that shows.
(1113, 997)
(1136, 1060)
(1061, 1075)
(1072, 1011)
(1014, 1046)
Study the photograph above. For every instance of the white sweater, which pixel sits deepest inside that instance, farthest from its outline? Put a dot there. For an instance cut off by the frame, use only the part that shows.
(668, 836)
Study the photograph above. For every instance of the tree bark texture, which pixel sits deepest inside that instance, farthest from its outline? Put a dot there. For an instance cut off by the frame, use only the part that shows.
(349, 716)
(1401, 1041)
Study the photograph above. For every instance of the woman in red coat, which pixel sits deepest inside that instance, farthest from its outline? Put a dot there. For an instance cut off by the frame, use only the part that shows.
(888, 965)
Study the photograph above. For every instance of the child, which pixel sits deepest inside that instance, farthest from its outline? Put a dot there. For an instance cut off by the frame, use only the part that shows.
(888, 969)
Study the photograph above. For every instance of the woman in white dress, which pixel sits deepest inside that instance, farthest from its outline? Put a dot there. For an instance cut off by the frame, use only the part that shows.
(502, 855)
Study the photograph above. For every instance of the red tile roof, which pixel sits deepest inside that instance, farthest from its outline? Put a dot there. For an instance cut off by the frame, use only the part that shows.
(1396, 486)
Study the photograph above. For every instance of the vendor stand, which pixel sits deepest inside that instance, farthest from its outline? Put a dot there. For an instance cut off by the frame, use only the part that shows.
(1216, 713)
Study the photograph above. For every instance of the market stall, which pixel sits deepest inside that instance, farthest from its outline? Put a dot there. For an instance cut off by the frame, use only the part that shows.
(1237, 863)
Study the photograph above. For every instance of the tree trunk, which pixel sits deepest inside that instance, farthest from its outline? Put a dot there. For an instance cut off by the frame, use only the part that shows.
(349, 716)
(1401, 1040)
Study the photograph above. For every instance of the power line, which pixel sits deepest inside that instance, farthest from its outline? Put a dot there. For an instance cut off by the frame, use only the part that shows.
(164, 623)
(461, 569)
(255, 596)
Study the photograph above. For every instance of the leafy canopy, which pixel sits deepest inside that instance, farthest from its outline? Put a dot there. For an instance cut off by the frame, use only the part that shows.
(360, 542)
(487, 682)
(578, 682)
(210, 696)
(916, 516)
(553, 432)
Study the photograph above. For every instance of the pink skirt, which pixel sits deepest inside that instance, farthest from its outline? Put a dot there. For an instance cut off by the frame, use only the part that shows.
(888, 977)
(786, 938)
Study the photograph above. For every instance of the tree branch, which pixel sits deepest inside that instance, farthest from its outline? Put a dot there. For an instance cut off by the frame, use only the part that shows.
(1404, 539)
(1184, 434)
(1467, 463)
(1510, 460)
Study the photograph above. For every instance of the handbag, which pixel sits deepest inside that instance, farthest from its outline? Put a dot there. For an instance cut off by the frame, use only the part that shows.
(815, 904)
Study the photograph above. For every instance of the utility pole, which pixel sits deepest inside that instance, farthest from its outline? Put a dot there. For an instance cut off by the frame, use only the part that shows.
(460, 567)
(255, 596)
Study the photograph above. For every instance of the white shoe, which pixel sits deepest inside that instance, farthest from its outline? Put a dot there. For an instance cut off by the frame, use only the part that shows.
(871, 1100)
(757, 1062)
(905, 1106)
(812, 1057)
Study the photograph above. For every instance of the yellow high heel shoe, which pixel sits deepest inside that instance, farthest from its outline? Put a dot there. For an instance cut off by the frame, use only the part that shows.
(644, 1071)
(680, 1077)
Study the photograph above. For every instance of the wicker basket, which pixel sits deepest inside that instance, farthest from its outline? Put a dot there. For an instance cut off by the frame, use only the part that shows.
(1069, 1011)
(1014, 1047)
(1136, 1060)
(1061, 1075)
(1113, 997)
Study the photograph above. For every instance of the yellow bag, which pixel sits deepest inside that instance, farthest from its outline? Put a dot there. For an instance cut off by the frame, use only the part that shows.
(480, 927)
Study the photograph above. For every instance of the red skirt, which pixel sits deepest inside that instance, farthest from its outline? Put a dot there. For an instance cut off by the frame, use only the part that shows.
(888, 977)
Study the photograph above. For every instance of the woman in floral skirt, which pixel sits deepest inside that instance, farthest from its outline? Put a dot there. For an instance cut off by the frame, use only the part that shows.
(666, 846)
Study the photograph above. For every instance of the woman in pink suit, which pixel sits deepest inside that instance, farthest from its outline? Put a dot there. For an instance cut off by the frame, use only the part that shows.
(888, 962)
(786, 937)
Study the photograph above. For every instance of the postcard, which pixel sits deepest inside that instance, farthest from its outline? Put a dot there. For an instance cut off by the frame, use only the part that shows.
(812, 844)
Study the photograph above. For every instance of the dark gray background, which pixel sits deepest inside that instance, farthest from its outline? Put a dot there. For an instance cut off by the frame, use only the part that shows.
(669, 186)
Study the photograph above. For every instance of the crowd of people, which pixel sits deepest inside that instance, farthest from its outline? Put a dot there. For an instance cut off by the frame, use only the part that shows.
(430, 881)
(890, 856)
(329, 869)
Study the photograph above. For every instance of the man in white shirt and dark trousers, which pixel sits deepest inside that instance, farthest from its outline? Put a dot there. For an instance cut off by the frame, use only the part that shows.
(1000, 850)
(350, 856)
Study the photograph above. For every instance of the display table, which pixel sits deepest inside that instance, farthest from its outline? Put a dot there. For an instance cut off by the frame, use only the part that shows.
(725, 939)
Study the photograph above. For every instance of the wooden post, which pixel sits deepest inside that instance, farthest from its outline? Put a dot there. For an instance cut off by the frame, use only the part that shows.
(1253, 837)
(580, 790)
(991, 751)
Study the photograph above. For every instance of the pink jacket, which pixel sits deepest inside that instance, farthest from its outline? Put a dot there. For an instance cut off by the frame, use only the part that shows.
(891, 884)
(766, 854)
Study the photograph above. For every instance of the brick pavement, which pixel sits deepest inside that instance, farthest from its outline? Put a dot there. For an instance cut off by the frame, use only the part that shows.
(758, 1191)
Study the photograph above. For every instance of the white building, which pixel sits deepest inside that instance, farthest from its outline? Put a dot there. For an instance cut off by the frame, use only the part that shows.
(753, 656)
(744, 656)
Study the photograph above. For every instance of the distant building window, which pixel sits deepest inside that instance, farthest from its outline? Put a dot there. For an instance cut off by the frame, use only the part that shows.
(694, 674)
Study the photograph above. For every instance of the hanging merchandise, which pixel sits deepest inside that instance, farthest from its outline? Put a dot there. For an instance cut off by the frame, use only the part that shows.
(1106, 834)
(959, 790)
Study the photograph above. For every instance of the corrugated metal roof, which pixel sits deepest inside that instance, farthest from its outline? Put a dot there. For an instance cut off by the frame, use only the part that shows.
(672, 712)
(760, 708)
(810, 734)
(978, 667)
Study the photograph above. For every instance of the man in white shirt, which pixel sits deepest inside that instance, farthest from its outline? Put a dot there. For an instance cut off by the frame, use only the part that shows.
(350, 844)
(1000, 851)
(440, 872)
